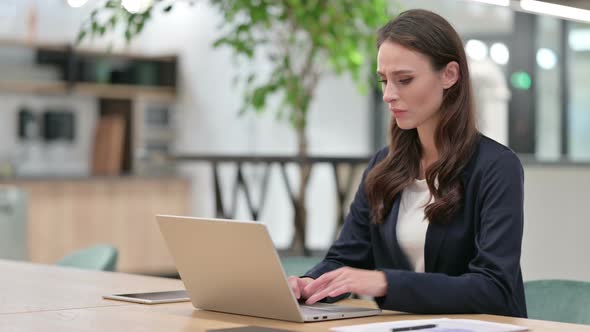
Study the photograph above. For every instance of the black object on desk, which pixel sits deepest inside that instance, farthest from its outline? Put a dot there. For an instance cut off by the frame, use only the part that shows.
(413, 328)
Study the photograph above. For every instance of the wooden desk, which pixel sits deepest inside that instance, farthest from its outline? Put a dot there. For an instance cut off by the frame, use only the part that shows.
(69, 300)
(26, 287)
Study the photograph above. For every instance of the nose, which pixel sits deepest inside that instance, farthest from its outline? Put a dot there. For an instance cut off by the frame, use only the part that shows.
(390, 93)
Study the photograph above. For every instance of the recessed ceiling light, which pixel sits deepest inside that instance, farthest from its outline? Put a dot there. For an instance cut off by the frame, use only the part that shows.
(504, 3)
(136, 6)
(476, 49)
(546, 58)
(499, 53)
(77, 3)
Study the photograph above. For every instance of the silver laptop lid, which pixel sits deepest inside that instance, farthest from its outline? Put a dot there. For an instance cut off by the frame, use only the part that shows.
(230, 266)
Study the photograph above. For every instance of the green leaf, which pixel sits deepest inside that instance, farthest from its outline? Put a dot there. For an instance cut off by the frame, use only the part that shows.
(113, 21)
(250, 78)
(112, 4)
(139, 27)
(355, 58)
(259, 98)
(219, 42)
(95, 27)
(168, 8)
(128, 35)
(147, 14)
(242, 28)
(81, 36)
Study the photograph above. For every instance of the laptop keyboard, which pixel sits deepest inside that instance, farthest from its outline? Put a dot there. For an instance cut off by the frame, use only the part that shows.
(311, 310)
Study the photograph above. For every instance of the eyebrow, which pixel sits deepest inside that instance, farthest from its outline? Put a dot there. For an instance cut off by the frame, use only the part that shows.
(397, 72)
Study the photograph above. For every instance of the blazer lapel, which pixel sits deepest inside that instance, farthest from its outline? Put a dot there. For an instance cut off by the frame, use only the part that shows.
(435, 236)
(400, 260)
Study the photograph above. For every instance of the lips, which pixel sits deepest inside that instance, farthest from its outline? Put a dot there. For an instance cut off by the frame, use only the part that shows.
(398, 112)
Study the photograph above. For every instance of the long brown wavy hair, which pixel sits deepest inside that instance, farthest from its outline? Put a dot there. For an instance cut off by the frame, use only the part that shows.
(455, 137)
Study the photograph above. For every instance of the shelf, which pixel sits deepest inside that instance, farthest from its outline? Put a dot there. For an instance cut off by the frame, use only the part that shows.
(74, 62)
(126, 55)
(112, 91)
(57, 87)
(27, 44)
(82, 51)
(125, 91)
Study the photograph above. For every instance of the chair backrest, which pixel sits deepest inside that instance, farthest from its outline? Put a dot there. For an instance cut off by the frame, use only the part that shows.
(565, 301)
(298, 265)
(13, 223)
(100, 257)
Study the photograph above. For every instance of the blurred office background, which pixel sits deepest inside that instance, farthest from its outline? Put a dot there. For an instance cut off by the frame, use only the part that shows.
(86, 132)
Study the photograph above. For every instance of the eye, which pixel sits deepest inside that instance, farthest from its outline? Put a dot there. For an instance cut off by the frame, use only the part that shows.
(405, 81)
(383, 81)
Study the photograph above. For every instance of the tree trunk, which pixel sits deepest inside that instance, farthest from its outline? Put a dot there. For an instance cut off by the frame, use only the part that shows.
(300, 217)
(310, 77)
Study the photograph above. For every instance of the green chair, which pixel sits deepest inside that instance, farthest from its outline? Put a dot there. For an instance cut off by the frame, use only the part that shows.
(298, 265)
(565, 301)
(100, 257)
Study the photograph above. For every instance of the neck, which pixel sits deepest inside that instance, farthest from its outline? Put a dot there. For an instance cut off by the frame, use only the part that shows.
(429, 151)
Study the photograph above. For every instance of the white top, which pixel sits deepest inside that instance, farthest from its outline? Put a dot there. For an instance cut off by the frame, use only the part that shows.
(411, 224)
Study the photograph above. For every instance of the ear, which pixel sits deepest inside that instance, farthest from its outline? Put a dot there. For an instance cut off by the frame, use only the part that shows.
(450, 74)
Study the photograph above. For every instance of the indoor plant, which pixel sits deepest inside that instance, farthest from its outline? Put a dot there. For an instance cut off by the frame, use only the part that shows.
(302, 40)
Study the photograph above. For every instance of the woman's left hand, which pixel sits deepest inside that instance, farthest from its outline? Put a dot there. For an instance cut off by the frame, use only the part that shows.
(347, 280)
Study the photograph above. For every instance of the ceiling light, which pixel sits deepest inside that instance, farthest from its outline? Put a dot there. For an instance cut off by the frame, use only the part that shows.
(556, 10)
(499, 53)
(546, 58)
(476, 49)
(136, 6)
(77, 3)
(504, 3)
(579, 40)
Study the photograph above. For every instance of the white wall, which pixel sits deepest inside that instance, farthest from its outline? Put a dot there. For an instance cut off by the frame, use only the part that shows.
(557, 222)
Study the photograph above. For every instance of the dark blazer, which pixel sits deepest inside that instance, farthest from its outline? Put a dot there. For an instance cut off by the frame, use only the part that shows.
(472, 264)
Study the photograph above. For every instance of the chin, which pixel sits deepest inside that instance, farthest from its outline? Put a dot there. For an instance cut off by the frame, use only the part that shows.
(404, 125)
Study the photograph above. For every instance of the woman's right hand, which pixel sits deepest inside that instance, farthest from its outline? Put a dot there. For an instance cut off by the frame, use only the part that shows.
(297, 285)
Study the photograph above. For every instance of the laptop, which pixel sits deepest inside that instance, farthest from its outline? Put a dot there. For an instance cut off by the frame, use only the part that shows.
(232, 267)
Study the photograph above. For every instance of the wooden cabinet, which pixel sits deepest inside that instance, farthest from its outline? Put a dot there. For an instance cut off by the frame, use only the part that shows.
(65, 215)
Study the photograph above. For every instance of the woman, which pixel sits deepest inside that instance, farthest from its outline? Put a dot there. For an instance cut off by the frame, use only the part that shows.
(436, 224)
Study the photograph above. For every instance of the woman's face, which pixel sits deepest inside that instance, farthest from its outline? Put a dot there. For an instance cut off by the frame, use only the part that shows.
(412, 89)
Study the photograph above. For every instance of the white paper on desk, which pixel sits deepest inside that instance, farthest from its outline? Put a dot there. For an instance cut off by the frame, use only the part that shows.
(442, 325)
